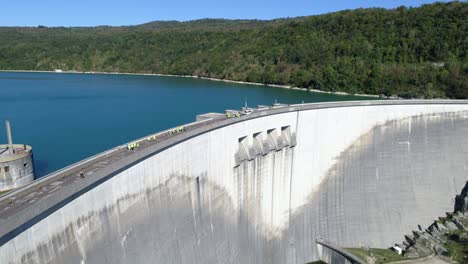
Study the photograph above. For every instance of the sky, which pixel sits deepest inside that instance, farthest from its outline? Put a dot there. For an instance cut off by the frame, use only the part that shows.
(133, 12)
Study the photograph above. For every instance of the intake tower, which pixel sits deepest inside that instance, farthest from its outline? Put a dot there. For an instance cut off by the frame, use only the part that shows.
(16, 164)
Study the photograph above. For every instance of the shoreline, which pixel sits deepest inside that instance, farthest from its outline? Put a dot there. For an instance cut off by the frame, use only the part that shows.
(202, 78)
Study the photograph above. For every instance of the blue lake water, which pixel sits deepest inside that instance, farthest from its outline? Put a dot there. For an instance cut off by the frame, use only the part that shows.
(68, 117)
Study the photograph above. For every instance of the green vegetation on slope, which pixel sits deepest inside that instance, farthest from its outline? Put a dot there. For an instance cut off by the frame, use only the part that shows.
(378, 255)
(456, 241)
(409, 52)
(457, 246)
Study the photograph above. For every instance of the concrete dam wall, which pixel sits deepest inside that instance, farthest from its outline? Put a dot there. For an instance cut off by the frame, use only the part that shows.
(259, 188)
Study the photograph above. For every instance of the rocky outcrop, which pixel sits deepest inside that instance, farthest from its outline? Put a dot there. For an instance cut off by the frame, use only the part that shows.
(434, 239)
(461, 201)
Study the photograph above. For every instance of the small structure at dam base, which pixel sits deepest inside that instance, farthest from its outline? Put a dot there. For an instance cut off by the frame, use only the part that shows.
(16, 164)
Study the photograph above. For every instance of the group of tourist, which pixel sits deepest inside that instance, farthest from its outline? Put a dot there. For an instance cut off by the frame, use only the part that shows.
(177, 130)
(229, 114)
(133, 145)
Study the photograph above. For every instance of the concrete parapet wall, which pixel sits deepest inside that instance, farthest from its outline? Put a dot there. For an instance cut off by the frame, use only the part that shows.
(332, 254)
(256, 189)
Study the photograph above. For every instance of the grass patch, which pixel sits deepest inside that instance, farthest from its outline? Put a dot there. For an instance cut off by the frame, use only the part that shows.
(457, 246)
(317, 262)
(3, 192)
(379, 255)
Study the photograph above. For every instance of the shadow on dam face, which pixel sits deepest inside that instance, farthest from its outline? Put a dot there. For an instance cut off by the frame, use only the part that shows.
(397, 176)
(258, 192)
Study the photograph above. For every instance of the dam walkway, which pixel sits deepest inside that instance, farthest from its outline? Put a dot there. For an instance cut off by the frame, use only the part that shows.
(14, 202)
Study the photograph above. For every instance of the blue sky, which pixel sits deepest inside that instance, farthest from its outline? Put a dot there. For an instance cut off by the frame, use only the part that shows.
(131, 12)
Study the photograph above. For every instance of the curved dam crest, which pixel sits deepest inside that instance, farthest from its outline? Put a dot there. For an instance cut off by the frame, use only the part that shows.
(262, 188)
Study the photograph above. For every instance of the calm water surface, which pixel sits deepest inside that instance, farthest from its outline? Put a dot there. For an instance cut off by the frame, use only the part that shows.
(68, 117)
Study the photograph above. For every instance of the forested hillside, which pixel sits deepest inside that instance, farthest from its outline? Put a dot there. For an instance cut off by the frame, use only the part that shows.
(408, 52)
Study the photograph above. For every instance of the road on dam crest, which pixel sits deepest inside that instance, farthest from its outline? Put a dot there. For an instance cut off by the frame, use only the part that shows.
(260, 188)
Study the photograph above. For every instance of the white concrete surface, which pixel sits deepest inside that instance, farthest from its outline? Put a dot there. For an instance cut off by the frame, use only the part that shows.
(192, 204)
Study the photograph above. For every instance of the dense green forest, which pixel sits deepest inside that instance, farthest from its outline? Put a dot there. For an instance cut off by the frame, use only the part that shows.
(406, 52)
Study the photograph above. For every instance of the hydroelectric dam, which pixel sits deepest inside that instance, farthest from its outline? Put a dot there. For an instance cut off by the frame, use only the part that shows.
(259, 188)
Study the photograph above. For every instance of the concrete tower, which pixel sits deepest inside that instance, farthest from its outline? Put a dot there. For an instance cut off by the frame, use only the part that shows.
(16, 163)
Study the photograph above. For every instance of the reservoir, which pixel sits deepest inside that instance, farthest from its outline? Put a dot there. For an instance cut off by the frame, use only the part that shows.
(69, 117)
